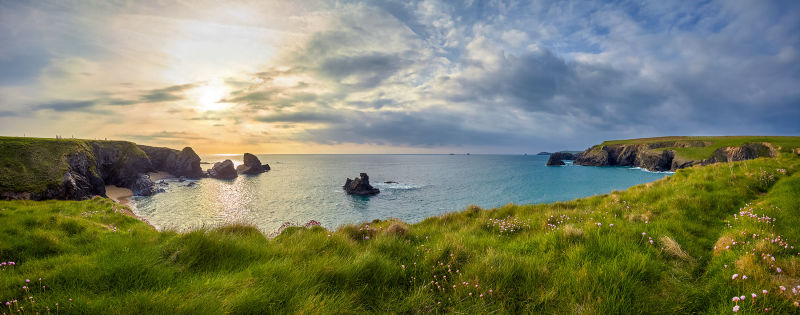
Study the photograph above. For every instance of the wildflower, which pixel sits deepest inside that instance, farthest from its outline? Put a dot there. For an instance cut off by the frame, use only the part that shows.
(778, 269)
(611, 225)
(753, 295)
(403, 266)
(490, 291)
(735, 275)
(726, 266)
(366, 237)
(744, 277)
(735, 299)
(480, 296)
(644, 233)
(736, 308)
(764, 292)
(741, 297)
(27, 280)
(470, 294)
(796, 304)
(782, 288)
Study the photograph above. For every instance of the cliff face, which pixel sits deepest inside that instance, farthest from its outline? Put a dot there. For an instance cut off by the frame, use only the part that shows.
(179, 163)
(655, 156)
(71, 169)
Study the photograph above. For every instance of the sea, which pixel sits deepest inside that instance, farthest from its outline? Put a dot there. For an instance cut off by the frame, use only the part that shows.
(301, 188)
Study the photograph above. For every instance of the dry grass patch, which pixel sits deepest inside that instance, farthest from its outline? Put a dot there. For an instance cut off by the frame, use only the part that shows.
(722, 242)
(671, 247)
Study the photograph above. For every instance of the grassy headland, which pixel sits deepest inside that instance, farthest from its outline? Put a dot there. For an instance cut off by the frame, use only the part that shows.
(35, 164)
(786, 144)
(683, 244)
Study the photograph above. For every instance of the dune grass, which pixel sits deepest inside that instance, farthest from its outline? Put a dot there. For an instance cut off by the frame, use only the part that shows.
(662, 247)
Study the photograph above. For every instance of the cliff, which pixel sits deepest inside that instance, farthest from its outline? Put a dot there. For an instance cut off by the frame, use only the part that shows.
(75, 169)
(670, 154)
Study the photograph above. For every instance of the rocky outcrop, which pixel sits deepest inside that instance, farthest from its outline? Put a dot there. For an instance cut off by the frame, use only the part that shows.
(145, 187)
(557, 158)
(80, 169)
(223, 170)
(360, 186)
(178, 163)
(252, 165)
(746, 151)
(654, 156)
(543, 153)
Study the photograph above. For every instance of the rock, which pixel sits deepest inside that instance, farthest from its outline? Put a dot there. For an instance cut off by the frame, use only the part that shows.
(746, 151)
(251, 165)
(360, 186)
(178, 163)
(554, 160)
(145, 187)
(223, 170)
(191, 184)
(390, 182)
(181, 179)
(543, 153)
(796, 151)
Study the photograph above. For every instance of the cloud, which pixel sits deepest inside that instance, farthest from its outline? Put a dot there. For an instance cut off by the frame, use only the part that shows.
(165, 136)
(67, 106)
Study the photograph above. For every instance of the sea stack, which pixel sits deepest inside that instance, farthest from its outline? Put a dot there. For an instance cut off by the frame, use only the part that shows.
(360, 186)
(223, 170)
(252, 165)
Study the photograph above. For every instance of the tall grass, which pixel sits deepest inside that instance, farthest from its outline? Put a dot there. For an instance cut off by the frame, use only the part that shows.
(649, 249)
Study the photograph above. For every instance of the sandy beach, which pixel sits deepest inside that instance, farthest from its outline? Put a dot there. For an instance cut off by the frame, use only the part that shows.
(120, 195)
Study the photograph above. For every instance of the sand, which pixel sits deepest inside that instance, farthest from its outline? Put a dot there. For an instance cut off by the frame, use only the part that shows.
(154, 176)
(120, 195)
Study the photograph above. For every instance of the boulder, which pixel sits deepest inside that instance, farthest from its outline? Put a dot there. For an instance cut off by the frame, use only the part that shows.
(360, 186)
(223, 170)
(746, 151)
(145, 187)
(251, 165)
(554, 160)
(796, 151)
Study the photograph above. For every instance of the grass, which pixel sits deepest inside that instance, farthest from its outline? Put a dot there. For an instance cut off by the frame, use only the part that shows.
(35, 164)
(654, 248)
(786, 144)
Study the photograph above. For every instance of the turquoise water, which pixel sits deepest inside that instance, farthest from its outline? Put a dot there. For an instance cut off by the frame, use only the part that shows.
(300, 188)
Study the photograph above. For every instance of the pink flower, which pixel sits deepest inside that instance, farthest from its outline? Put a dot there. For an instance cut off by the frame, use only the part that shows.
(778, 269)
(735, 299)
(744, 277)
(736, 308)
(753, 295)
(764, 292)
(735, 275)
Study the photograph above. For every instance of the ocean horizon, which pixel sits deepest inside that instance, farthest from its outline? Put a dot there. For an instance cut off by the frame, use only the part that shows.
(305, 187)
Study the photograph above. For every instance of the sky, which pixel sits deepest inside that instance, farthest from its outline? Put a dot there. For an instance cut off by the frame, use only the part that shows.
(397, 76)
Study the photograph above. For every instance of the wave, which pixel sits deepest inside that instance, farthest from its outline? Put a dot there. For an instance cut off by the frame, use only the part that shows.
(397, 186)
(649, 171)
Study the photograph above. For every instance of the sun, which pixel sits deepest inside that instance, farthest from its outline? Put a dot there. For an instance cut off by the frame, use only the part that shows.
(210, 97)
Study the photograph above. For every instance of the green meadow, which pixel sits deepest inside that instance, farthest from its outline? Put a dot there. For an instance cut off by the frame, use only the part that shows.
(688, 243)
(783, 144)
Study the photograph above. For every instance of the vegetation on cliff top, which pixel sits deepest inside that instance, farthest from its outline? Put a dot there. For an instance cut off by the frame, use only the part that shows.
(34, 164)
(684, 244)
(711, 144)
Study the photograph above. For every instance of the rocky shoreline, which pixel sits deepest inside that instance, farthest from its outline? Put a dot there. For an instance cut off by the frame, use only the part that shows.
(657, 157)
(90, 166)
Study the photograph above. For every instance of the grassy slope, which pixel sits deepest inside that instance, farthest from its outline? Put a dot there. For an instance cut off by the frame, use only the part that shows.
(700, 153)
(557, 259)
(33, 164)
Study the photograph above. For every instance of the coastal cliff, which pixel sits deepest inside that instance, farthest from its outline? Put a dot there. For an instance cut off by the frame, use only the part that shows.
(74, 169)
(660, 154)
